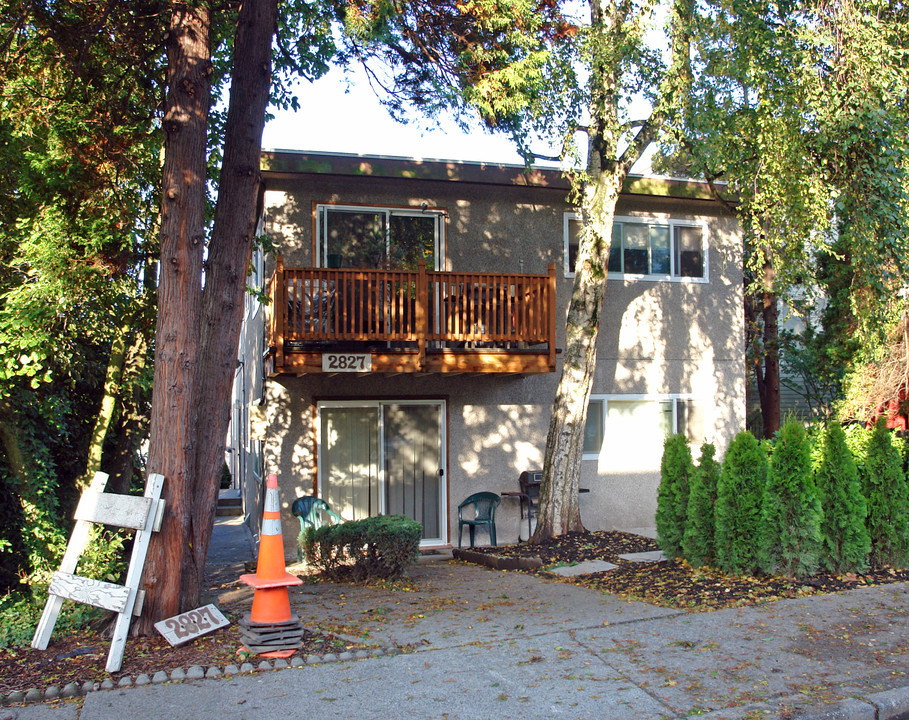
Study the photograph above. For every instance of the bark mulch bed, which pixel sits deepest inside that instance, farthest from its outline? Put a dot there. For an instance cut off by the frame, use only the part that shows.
(82, 657)
(674, 583)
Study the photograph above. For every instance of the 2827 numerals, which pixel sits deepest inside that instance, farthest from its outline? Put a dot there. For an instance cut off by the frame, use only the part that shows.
(346, 363)
(192, 622)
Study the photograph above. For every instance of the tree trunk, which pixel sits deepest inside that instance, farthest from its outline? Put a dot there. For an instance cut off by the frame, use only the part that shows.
(173, 425)
(762, 319)
(769, 386)
(192, 396)
(9, 441)
(227, 267)
(559, 511)
(607, 169)
(108, 404)
(120, 460)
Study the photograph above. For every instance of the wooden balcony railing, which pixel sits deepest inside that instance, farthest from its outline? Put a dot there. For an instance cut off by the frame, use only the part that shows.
(417, 320)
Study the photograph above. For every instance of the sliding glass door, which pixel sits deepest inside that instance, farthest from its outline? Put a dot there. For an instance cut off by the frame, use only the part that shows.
(384, 458)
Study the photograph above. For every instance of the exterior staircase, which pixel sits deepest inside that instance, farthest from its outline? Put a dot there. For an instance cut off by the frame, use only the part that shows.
(229, 503)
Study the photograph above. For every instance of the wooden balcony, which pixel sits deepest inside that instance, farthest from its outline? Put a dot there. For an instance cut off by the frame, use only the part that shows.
(410, 321)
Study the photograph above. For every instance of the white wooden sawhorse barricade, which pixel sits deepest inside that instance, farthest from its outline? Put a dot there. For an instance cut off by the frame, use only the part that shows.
(142, 514)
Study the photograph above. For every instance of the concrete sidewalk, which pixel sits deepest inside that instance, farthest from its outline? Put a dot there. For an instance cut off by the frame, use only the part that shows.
(469, 642)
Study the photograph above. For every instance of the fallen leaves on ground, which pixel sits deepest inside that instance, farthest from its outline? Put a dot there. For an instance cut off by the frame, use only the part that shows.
(82, 657)
(674, 583)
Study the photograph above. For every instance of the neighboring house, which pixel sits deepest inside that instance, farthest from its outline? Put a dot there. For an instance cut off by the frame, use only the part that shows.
(411, 349)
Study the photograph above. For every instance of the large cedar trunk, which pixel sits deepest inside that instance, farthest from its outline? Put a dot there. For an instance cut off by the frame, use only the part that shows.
(228, 266)
(172, 443)
(191, 460)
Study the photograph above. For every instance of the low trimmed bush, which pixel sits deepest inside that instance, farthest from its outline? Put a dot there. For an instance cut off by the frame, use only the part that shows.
(374, 548)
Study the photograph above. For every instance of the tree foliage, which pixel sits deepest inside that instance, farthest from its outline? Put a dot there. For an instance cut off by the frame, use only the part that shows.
(845, 536)
(676, 471)
(77, 143)
(796, 117)
(740, 497)
(791, 511)
(698, 542)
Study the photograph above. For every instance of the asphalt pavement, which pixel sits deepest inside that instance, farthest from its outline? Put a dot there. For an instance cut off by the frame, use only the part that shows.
(466, 642)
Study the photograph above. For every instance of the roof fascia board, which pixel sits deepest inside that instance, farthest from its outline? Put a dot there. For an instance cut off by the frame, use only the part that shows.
(283, 164)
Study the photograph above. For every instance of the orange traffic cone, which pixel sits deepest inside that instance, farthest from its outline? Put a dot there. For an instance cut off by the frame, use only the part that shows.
(271, 629)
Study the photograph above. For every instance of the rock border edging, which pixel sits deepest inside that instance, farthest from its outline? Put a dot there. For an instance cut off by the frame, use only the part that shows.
(194, 672)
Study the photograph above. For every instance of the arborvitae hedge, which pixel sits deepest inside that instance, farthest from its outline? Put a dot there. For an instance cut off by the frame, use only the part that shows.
(791, 511)
(885, 491)
(845, 536)
(676, 469)
(740, 493)
(698, 543)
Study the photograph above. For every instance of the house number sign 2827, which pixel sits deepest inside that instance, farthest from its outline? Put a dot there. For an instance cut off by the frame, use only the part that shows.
(190, 625)
(346, 362)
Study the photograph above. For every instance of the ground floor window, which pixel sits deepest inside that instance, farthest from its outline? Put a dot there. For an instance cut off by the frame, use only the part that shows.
(627, 426)
(384, 458)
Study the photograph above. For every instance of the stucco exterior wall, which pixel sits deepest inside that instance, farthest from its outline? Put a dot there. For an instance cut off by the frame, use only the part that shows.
(657, 339)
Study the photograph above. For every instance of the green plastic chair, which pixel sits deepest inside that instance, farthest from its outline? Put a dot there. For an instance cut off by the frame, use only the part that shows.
(484, 513)
(309, 509)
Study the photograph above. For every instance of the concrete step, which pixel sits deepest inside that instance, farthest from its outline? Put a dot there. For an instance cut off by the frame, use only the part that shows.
(228, 505)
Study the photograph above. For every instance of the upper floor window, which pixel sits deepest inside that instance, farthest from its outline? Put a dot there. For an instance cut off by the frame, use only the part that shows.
(647, 248)
(375, 237)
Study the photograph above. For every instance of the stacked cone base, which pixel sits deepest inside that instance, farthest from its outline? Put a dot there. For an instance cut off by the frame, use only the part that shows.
(276, 639)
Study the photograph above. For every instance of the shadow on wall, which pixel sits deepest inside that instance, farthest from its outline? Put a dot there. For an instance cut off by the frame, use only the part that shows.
(503, 233)
(681, 337)
(287, 452)
(288, 225)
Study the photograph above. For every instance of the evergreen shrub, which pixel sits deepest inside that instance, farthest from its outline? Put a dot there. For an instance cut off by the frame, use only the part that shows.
(374, 548)
(791, 510)
(885, 492)
(739, 496)
(845, 536)
(676, 469)
(698, 545)
(857, 437)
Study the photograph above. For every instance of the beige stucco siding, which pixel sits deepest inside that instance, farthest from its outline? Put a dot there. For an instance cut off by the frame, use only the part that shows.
(657, 339)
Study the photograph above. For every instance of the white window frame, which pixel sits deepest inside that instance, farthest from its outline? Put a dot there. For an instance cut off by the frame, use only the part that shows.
(388, 211)
(602, 401)
(655, 220)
